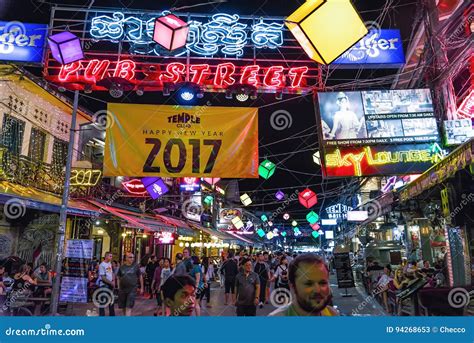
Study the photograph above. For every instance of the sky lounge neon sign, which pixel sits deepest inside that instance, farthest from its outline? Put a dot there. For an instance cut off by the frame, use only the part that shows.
(222, 75)
(223, 34)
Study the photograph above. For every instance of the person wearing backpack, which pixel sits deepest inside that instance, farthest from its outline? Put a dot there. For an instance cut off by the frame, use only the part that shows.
(281, 274)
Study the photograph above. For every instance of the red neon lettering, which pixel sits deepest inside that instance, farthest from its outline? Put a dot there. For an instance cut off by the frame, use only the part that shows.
(67, 71)
(224, 74)
(297, 75)
(199, 71)
(249, 75)
(96, 70)
(274, 77)
(173, 72)
(125, 69)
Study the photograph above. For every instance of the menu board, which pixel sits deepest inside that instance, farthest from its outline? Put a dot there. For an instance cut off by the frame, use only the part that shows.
(73, 289)
(79, 248)
(345, 277)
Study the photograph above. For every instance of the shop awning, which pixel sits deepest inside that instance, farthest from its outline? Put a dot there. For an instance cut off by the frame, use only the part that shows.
(135, 219)
(457, 160)
(183, 227)
(220, 235)
(43, 201)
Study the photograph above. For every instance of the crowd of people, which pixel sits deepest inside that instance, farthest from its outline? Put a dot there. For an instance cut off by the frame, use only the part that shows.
(388, 283)
(182, 288)
(25, 282)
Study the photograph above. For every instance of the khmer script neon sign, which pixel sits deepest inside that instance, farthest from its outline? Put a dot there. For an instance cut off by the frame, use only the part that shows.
(223, 34)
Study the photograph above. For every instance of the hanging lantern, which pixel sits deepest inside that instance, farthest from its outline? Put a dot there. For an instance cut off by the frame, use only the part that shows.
(315, 234)
(317, 158)
(296, 231)
(308, 198)
(270, 235)
(286, 216)
(238, 223)
(65, 47)
(208, 200)
(264, 218)
(279, 195)
(245, 199)
(261, 233)
(266, 169)
(294, 223)
(270, 223)
(312, 217)
(315, 227)
(170, 32)
(283, 234)
(326, 29)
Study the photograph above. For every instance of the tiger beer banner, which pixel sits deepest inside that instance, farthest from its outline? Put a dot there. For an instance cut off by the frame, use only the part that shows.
(174, 141)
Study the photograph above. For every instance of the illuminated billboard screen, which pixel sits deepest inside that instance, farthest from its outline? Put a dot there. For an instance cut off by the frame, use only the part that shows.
(377, 117)
(458, 131)
(380, 160)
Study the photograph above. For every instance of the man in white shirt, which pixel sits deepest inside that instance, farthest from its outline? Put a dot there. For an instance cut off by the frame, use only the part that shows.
(106, 280)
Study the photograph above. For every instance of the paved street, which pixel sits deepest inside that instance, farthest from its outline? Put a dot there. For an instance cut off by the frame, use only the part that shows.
(346, 305)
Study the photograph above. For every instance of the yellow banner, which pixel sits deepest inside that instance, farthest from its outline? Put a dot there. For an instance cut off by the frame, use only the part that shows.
(174, 141)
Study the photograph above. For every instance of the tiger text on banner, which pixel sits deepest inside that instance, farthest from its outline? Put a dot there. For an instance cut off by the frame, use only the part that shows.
(175, 141)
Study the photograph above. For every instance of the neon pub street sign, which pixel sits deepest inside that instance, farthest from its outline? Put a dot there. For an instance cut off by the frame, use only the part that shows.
(222, 75)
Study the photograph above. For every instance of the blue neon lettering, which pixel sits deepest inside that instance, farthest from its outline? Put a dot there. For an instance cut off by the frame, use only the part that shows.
(222, 34)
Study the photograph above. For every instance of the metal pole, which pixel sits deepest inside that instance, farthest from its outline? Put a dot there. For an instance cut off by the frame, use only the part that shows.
(63, 212)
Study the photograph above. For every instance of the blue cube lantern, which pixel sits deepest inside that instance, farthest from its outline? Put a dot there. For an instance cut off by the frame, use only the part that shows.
(65, 47)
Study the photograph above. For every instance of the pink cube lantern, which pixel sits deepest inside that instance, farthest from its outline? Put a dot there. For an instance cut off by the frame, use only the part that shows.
(315, 226)
(170, 32)
(65, 47)
(308, 198)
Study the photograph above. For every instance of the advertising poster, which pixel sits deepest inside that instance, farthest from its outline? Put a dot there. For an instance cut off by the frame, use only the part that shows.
(458, 131)
(377, 117)
(174, 141)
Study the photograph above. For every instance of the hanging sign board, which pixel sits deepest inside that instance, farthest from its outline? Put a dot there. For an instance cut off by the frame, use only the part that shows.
(174, 141)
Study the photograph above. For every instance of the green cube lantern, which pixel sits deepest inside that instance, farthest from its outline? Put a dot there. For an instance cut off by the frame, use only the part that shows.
(266, 169)
(261, 233)
(283, 234)
(312, 217)
(315, 234)
(264, 218)
(208, 200)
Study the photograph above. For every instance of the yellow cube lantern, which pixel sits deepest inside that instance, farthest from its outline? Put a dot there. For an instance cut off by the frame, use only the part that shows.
(326, 28)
